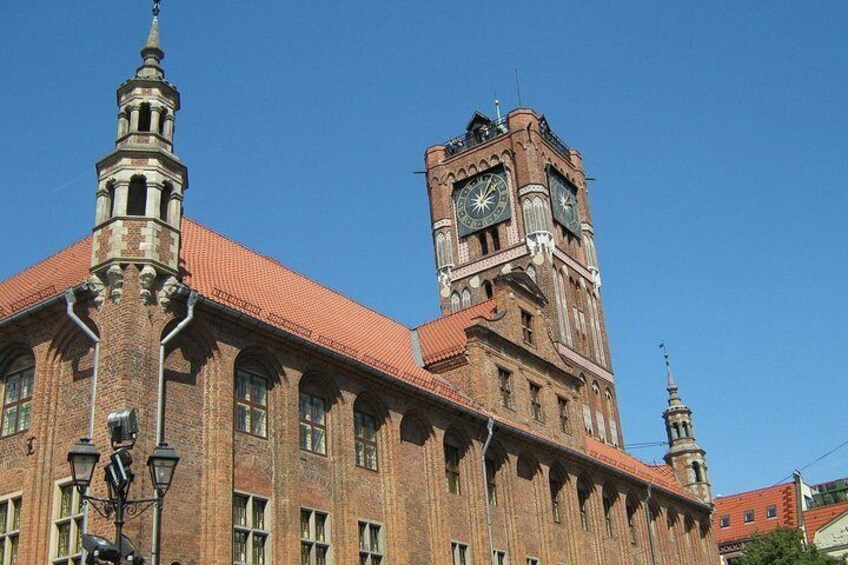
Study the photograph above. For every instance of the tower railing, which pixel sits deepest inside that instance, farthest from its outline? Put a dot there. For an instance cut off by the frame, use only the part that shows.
(475, 137)
(554, 141)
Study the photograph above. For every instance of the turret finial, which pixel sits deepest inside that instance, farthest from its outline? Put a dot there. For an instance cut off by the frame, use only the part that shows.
(152, 53)
(156, 7)
(672, 385)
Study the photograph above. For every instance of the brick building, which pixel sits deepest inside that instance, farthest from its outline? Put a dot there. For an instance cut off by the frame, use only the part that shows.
(310, 425)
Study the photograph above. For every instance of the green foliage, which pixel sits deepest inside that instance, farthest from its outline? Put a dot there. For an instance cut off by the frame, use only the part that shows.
(783, 546)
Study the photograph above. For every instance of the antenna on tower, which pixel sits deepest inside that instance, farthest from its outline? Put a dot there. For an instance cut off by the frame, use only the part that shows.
(497, 107)
(517, 87)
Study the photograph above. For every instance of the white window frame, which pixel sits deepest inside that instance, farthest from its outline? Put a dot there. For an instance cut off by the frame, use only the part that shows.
(367, 551)
(9, 536)
(532, 560)
(250, 528)
(74, 520)
(459, 553)
(499, 557)
(311, 540)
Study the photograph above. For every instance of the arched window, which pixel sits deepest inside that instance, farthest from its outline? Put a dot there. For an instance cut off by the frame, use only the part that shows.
(110, 190)
(686, 432)
(697, 472)
(163, 113)
(453, 457)
(313, 421)
(365, 426)
(144, 117)
(466, 298)
(562, 303)
(671, 522)
(137, 199)
(529, 217)
(16, 390)
(455, 302)
(675, 431)
(609, 497)
(441, 251)
(164, 203)
(487, 287)
(540, 214)
(632, 509)
(251, 400)
(492, 467)
(556, 482)
(583, 493)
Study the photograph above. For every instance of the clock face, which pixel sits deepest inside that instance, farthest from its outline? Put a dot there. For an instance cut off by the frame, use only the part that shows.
(482, 201)
(564, 202)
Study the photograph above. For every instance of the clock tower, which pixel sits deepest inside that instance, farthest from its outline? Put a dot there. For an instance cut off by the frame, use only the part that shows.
(508, 195)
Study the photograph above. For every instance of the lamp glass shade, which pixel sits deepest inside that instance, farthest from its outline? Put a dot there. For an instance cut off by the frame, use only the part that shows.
(162, 464)
(83, 459)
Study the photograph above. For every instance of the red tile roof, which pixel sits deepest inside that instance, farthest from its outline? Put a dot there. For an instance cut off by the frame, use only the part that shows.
(445, 337)
(48, 278)
(781, 496)
(818, 518)
(231, 275)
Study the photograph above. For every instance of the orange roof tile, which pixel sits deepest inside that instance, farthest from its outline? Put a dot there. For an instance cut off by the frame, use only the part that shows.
(818, 518)
(445, 337)
(781, 496)
(48, 278)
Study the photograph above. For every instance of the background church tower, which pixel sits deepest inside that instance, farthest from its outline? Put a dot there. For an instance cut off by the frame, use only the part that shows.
(141, 183)
(508, 195)
(684, 454)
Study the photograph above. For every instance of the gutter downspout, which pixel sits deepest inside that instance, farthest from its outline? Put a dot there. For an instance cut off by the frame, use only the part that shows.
(490, 425)
(71, 299)
(160, 420)
(650, 531)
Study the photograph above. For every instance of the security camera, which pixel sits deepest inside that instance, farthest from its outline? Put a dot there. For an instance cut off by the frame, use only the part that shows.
(123, 426)
(99, 549)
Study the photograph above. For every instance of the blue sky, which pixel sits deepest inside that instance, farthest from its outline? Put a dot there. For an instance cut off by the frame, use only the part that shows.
(717, 133)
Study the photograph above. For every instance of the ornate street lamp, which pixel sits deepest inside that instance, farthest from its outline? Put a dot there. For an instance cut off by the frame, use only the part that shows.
(162, 463)
(119, 476)
(83, 459)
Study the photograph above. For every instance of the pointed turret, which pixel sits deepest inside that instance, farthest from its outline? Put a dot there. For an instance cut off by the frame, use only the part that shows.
(684, 454)
(141, 183)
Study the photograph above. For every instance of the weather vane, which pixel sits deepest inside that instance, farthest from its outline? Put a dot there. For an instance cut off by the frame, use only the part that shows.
(156, 7)
(665, 353)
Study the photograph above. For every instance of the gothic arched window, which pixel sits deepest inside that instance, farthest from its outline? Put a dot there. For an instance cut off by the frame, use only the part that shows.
(632, 508)
(697, 472)
(251, 400)
(529, 217)
(487, 287)
(137, 198)
(313, 420)
(562, 304)
(456, 303)
(16, 390)
(365, 424)
(556, 483)
(144, 117)
(163, 113)
(441, 251)
(453, 457)
(466, 298)
(540, 214)
(164, 203)
(609, 497)
(583, 493)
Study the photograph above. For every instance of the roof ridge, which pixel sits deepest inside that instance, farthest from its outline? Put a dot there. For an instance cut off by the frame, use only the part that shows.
(279, 263)
(453, 314)
(49, 257)
(726, 496)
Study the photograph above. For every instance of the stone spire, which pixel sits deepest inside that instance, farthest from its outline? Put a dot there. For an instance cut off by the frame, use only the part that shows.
(684, 454)
(152, 53)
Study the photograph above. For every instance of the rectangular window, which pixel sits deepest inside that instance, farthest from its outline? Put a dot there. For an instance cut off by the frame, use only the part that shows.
(66, 548)
(562, 410)
(452, 469)
(370, 543)
(505, 379)
(314, 537)
(724, 521)
(459, 551)
(313, 424)
(251, 404)
(10, 529)
(532, 561)
(491, 484)
(499, 557)
(365, 440)
(771, 511)
(536, 402)
(527, 327)
(17, 402)
(250, 532)
(749, 516)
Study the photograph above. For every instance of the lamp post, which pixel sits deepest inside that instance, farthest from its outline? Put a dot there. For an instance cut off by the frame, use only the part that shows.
(119, 477)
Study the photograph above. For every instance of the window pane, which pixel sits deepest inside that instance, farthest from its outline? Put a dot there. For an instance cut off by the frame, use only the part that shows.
(242, 389)
(258, 550)
(240, 547)
(13, 551)
(67, 495)
(16, 514)
(10, 420)
(304, 524)
(4, 513)
(375, 538)
(359, 448)
(26, 384)
(13, 389)
(64, 537)
(321, 555)
(259, 390)
(258, 514)
(319, 441)
(304, 407)
(363, 534)
(371, 456)
(240, 511)
(305, 436)
(320, 520)
(318, 410)
(242, 418)
(304, 553)
(258, 421)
